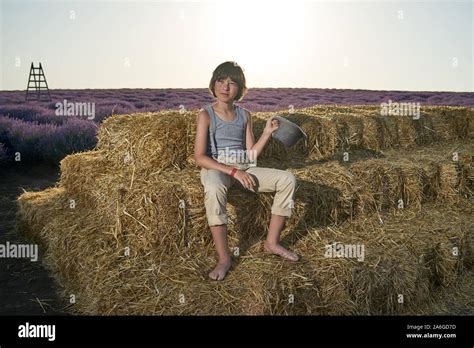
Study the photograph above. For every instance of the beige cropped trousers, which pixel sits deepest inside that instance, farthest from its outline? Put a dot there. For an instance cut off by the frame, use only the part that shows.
(217, 183)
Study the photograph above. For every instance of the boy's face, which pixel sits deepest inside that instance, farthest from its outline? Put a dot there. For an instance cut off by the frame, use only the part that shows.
(226, 89)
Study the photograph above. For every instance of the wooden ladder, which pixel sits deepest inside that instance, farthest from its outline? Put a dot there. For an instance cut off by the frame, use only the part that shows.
(36, 88)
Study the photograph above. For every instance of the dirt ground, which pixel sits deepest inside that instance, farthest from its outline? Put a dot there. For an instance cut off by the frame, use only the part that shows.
(28, 289)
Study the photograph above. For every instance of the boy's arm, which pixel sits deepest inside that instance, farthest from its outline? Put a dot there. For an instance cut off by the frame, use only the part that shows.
(257, 147)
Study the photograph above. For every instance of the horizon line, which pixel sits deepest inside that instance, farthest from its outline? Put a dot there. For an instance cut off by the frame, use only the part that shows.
(250, 88)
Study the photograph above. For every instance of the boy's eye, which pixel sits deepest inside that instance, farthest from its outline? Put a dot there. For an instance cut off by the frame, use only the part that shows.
(231, 82)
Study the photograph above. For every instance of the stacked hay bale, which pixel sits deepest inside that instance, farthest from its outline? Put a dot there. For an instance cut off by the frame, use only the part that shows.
(36, 209)
(332, 129)
(126, 230)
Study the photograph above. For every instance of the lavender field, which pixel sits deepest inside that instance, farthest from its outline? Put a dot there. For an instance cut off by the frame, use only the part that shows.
(34, 129)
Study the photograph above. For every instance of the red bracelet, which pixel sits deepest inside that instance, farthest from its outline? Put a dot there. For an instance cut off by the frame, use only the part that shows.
(233, 171)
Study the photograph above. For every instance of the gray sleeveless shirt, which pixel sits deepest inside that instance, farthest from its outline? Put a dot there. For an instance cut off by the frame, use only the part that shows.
(226, 137)
(228, 134)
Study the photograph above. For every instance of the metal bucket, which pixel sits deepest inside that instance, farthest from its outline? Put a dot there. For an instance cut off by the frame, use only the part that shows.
(288, 132)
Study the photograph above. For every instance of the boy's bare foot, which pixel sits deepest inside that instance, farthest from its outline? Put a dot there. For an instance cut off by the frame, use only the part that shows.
(221, 269)
(277, 249)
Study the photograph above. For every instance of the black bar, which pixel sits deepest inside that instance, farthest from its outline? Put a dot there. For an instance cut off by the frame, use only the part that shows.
(259, 330)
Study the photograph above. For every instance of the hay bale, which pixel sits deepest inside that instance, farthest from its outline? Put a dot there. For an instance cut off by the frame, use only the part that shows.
(172, 202)
(406, 135)
(391, 271)
(450, 230)
(378, 285)
(169, 202)
(456, 122)
(349, 132)
(372, 133)
(469, 250)
(444, 259)
(91, 180)
(82, 251)
(382, 188)
(329, 128)
(34, 210)
(436, 160)
(413, 178)
(274, 287)
(87, 175)
(413, 182)
(137, 241)
(398, 258)
(329, 296)
(369, 286)
(385, 132)
(328, 192)
(164, 211)
(470, 128)
(443, 123)
(90, 262)
(93, 264)
(431, 181)
(149, 141)
(448, 182)
(466, 180)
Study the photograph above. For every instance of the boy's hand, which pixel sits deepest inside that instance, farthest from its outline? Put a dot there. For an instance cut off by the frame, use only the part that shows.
(271, 126)
(245, 179)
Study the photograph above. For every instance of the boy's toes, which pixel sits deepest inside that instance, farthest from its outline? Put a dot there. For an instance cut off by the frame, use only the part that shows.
(292, 256)
(220, 271)
(289, 255)
(217, 275)
(213, 275)
(282, 252)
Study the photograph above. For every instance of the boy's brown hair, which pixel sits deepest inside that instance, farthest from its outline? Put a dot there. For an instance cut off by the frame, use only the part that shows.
(234, 72)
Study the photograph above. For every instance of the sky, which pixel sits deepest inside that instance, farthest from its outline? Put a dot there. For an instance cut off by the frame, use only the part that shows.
(375, 45)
